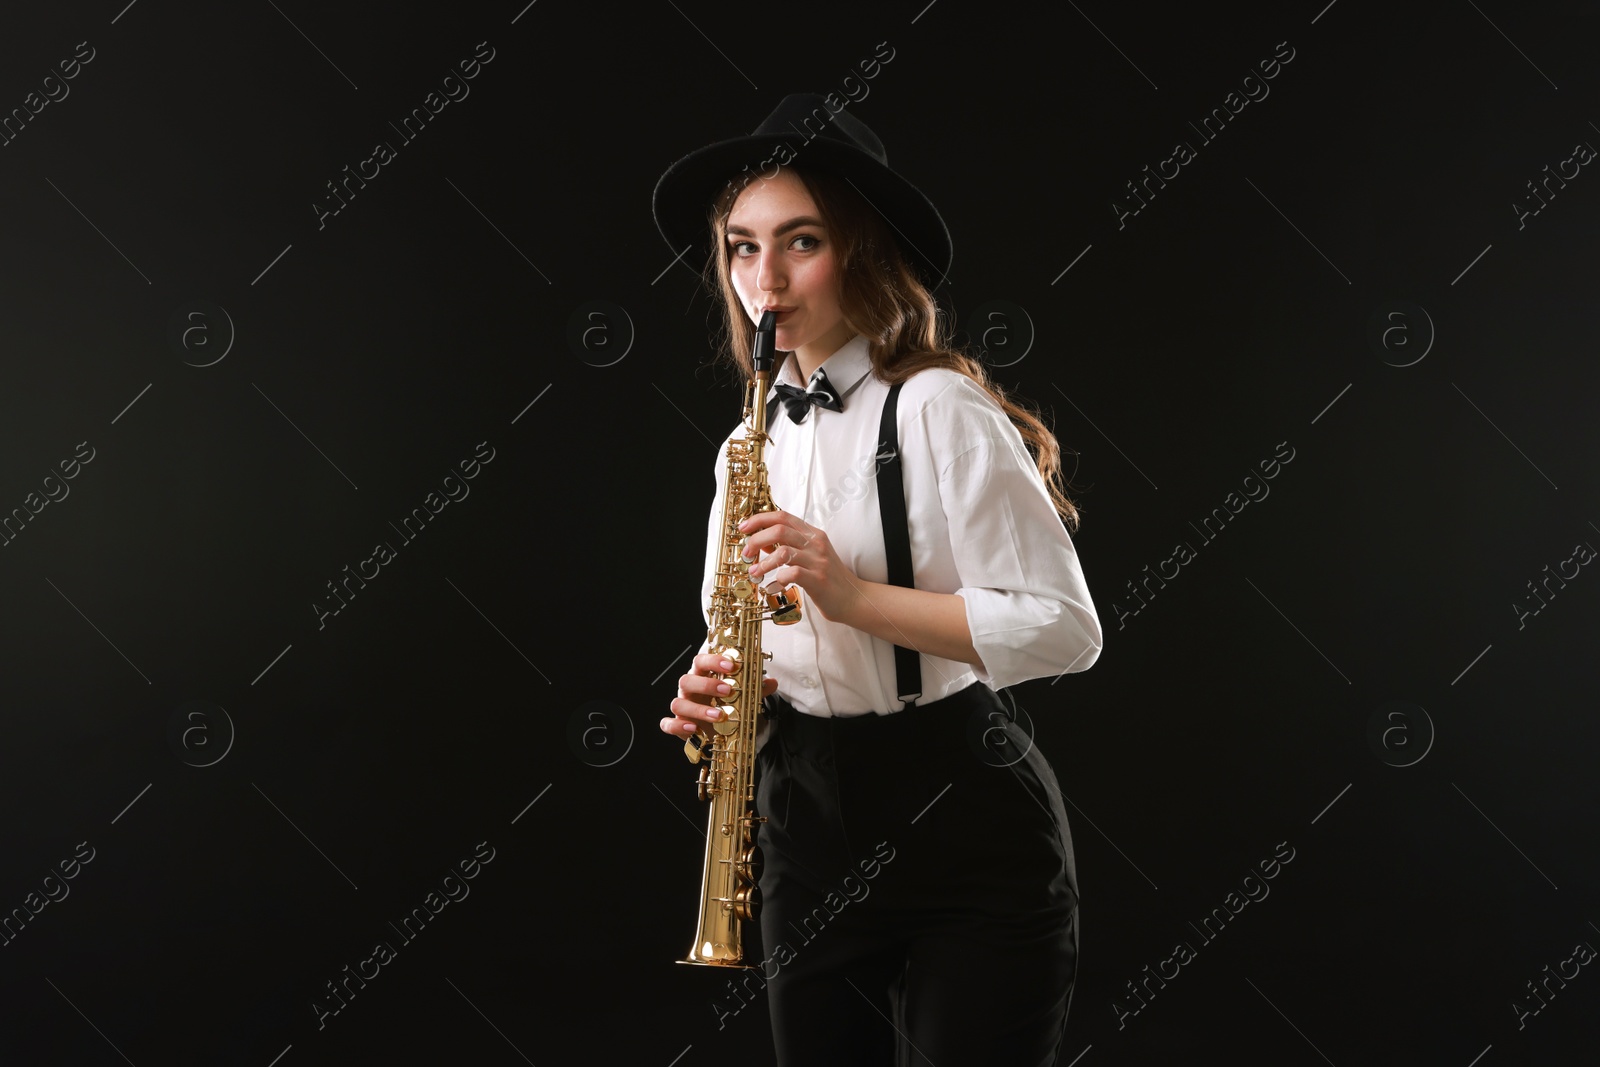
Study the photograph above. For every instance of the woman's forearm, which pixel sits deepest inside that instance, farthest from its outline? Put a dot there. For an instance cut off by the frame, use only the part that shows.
(931, 623)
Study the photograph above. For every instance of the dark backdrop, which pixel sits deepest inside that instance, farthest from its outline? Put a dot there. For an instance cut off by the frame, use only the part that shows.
(1370, 675)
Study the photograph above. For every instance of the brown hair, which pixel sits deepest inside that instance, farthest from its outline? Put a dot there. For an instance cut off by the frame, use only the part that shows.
(883, 298)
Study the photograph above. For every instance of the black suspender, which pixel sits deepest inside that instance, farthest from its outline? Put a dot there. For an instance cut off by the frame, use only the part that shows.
(896, 531)
(897, 536)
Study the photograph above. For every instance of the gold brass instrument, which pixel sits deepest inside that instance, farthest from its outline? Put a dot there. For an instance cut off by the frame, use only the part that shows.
(729, 895)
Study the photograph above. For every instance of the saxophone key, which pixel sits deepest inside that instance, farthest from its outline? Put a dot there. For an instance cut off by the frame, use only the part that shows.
(747, 902)
(785, 606)
(748, 865)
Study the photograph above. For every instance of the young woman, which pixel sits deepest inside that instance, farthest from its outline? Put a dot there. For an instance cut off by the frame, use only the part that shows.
(918, 888)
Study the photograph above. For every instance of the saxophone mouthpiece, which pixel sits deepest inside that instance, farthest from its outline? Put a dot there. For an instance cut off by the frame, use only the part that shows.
(762, 356)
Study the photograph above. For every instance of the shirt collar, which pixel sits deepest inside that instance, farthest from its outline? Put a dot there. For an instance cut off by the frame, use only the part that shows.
(846, 368)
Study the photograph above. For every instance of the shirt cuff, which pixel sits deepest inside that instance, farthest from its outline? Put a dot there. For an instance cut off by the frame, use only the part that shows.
(1021, 636)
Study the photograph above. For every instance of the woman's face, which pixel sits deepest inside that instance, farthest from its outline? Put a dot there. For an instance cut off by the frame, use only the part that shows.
(781, 255)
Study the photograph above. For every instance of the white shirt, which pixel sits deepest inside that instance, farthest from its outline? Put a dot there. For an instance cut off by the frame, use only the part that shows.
(982, 525)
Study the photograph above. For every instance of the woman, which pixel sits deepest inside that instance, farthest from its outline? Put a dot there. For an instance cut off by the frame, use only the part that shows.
(918, 889)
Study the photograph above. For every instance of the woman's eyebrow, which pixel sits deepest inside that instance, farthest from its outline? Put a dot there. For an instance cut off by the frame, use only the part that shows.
(782, 228)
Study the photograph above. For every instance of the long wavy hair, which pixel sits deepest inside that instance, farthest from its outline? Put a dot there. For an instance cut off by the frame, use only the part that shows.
(884, 299)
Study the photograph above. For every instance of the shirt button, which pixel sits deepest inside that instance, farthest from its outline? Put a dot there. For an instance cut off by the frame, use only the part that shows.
(810, 682)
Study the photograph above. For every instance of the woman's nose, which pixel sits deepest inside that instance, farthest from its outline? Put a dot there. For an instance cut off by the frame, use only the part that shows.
(769, 275)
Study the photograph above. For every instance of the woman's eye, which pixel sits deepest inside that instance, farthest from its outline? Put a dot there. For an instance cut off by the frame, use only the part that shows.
(739, 246)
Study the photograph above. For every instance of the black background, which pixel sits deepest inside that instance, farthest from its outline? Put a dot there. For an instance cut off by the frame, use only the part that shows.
(500, 681)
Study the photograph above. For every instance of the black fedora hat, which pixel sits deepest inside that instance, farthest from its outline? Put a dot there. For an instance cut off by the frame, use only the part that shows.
(804, 130)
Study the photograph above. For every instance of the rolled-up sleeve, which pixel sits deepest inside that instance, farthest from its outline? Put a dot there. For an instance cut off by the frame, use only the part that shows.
(1027, 602)
(708, 580)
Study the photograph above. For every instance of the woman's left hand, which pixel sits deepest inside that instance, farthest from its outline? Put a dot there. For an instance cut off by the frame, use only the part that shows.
(793, 551)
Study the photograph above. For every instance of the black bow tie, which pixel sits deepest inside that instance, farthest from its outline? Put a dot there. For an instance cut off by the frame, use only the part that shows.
(798, 401)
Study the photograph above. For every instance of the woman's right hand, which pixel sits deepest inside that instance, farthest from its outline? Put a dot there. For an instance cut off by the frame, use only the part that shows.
(698, 692)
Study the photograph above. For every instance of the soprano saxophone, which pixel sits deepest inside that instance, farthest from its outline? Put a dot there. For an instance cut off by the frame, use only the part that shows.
(729, 895)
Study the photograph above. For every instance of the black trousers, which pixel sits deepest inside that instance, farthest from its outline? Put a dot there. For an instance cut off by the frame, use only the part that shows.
(919, 896)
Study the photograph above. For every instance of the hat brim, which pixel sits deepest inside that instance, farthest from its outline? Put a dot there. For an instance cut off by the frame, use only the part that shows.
(685, 191)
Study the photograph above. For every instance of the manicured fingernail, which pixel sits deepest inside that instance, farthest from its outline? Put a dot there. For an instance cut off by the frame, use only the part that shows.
(727, 664)
(713, 713)
(724, 688)
(689, 726)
